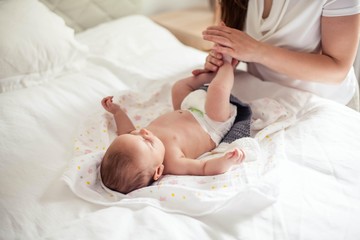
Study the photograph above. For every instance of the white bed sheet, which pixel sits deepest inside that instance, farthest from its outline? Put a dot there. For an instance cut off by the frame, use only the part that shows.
(319, 192)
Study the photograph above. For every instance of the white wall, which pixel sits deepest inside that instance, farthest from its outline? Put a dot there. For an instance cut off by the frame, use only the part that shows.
(81, 15)
(150, 7)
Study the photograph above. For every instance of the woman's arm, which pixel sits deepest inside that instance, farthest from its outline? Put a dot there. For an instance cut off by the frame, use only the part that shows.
(340, 37)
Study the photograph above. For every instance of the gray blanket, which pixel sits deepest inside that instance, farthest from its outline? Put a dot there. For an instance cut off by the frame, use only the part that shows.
(241, 127)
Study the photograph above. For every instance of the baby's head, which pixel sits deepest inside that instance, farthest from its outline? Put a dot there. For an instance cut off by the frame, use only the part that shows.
(132, 161)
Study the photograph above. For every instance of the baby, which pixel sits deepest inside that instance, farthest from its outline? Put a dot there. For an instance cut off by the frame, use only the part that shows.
(171, 143)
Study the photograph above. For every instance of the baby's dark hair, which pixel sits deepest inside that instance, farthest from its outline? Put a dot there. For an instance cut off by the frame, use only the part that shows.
(119, 173)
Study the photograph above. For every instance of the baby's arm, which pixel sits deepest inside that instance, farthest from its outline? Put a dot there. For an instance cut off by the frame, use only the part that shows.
(214, 166)
(123, 122)
(185, 86)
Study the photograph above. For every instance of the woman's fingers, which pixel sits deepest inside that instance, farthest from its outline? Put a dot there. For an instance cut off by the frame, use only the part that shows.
(220, 35)
(217, 31)
(215, 54)
(223, 40)
(219, 28)
(217, 62)
(197, 72)
(212, 63)
(223, 50)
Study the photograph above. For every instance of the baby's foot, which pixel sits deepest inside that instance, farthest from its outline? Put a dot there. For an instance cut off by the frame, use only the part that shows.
(227, 58)
(232, 61)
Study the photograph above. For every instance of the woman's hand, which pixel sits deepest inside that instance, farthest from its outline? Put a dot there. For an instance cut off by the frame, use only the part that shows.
(233, 42)
(212, 64)
(109, 106)
(213, 61)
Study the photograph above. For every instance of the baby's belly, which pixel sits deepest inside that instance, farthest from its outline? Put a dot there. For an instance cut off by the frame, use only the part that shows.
(188, 134)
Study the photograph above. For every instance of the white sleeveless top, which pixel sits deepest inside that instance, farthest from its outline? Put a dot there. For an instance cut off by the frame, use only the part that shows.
(295, 25)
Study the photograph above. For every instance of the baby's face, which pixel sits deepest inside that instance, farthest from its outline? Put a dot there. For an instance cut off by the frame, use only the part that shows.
(147, 149)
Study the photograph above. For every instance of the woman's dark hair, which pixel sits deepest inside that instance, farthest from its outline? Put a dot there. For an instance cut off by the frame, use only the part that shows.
(233, 13)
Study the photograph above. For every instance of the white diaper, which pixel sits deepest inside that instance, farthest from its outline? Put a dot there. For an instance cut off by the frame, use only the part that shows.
(195, 103)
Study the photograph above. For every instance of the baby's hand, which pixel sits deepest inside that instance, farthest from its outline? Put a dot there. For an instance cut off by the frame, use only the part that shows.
(236, 155)
(109, 106)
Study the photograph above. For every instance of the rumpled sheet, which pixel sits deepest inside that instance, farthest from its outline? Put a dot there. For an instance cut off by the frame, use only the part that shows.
(249, 185)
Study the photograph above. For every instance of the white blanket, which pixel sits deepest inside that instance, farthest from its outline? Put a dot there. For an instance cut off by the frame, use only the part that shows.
(246, 184)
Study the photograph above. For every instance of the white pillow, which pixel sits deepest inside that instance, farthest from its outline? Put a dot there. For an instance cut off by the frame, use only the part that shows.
(35, 44)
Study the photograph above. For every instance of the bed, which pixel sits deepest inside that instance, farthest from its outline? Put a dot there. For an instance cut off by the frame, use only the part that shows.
(301, 183)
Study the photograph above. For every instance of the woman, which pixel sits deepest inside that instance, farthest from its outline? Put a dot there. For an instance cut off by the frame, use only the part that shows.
(309, 45)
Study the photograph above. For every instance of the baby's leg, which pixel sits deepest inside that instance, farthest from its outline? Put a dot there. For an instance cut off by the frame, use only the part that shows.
(217, 104)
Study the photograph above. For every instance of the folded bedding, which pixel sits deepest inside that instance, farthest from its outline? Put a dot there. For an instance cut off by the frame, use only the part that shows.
(38, 45)
(191, 195)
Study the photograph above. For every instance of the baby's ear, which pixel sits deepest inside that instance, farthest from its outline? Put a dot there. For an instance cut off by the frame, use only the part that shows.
(158, 172)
